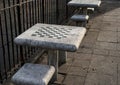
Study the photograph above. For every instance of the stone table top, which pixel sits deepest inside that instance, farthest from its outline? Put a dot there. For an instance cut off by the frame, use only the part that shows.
(47, 36)
(85, 3)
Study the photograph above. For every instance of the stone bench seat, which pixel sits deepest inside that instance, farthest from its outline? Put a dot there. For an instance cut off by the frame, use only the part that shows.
(33, 74)
(78, 17)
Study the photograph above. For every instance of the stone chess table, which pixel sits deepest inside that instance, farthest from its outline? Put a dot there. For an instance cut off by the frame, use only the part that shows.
(55, 38)
(85, 3)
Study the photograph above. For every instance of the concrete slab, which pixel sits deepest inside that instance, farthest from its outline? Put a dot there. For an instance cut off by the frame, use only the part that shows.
(105, 45)
(107, 36)
(99, 79)
(74, 80)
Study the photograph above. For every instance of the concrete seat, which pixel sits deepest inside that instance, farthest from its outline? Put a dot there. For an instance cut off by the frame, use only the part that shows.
(78, 17)
(33, 74)
(82, 19)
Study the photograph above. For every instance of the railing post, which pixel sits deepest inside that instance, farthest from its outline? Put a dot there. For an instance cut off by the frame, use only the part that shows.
(42, 11)
(20, 30)
(57, 12)
(66, 9)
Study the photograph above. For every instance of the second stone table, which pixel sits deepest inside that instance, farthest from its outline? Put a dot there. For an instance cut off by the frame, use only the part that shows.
(55, 38)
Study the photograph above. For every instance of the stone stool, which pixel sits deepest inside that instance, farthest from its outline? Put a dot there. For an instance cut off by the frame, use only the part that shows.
(83, 19)
(33, 74)
(90, 10)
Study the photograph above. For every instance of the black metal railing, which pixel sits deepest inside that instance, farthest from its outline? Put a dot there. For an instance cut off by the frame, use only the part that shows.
(16, 16)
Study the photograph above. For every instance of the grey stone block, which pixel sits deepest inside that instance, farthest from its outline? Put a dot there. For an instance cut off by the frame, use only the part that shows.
(85, 3)
(67, 38)
(78, 17)
(33, 74)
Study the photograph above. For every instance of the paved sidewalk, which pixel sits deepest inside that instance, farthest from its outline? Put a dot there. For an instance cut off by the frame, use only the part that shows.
(97, 62)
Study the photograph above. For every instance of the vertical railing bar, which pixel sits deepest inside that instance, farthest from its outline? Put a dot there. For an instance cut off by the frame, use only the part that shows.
(43, 11)
(30, 8)
(47, 10)
(26, 26)
(32, 23)
(11, 30)
(38, 4)
(35, 11)
(20, 31)
(3, 48)
(7, 36)
(50, 11)
(30, 13)
(57, 12)
(15, 31)
(66, 9)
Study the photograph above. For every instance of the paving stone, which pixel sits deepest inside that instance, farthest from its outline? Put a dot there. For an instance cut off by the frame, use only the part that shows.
(114, 53)
(78, 71)
(64, 68)
(119, 28)
(85, 44)
(84, 50)
(95, 26)
(109, 26)
(118, 46)
(91, 37)
(94, 30)
(118, 37)
(103, 65)
(79, 63)
(99, 79)
(110, 18)
(83, 57)
(107, 36)
(105, 45)
(60, 79)
(74, 80)
(100, 52)
(118, 74)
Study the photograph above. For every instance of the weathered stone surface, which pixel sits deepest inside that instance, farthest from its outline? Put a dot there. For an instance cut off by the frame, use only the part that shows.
(85, 50)
(83, 57)
(110, 18)
(60, 79)
(78, 71)
(109, 26)
(90, 37)
(79, 63)
(105, 45)
(114, 53)
(118, 37)
(107, 36)
(33, 74)
(47, 36)
(100, 79)
(118, 74)
(74, 80)
(103, 65)
(100, 52)
(118, 46)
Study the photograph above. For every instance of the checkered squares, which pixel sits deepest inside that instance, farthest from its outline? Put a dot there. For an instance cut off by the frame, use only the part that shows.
(52, 32)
